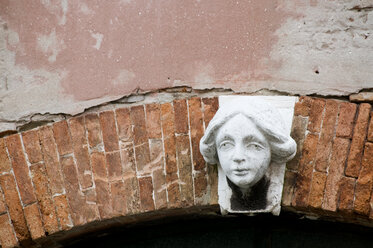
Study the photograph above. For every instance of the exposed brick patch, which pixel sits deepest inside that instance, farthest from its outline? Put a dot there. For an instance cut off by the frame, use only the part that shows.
(316, 114)
(114, 166)
(159, 177)
(317, 189)
(347, 112)
(5, 165)
(137, 114)
(109, 131)
(346, 194)
(118, 198)
(63, 212)
(370, 129)
(357, 144)
(3, 208)
(62, 137)
(20, 168)
(124, 125)
(210, 106)
(153, 121)
(324, 145)
(288, 188)
(337, 163)
(303, 106)
(51, 160)
(364, 182)
(146, 193)
(7, 237)
(32, 146)
(181, 116)
(93, 127)
(12, 200)
(143, 159)
(33, 220)
(298, 132)
(42, 192)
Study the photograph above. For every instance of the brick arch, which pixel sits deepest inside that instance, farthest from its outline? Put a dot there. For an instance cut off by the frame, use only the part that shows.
(145, 159)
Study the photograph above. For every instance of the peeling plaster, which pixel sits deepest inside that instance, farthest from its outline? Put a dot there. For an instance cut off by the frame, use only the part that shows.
(98, 37)
(50, 44)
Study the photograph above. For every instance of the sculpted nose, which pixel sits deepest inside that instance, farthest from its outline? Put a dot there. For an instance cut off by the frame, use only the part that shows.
(238, 155)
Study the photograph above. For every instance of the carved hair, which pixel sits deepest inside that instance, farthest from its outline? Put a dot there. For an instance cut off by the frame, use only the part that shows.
(266, 118)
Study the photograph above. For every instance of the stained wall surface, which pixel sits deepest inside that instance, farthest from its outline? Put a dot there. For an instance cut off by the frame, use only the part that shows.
(60, 56)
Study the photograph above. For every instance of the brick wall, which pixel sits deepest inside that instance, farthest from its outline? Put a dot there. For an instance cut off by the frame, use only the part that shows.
(145, 158)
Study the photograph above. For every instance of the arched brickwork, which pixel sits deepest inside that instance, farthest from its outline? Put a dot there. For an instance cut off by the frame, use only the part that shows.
(145, 158)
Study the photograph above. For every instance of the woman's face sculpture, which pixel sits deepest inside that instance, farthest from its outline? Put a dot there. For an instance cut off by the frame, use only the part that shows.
(244, 152)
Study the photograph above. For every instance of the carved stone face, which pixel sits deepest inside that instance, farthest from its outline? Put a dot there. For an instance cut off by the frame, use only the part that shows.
(244, 152)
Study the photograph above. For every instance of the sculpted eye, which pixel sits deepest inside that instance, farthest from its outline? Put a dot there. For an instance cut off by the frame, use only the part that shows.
(226, 145)
(255, 146)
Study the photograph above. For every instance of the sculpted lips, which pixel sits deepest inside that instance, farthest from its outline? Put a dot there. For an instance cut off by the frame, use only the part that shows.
(240, 172)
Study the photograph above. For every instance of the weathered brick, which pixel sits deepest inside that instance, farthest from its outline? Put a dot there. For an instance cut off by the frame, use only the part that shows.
(42, 192)
(118, 198)
(196, 132)
(346, 117)
(317, 189)
(364, 182)
(81, 212)
(80, 147)
(137, 114)
(370, 129)
(20, 168)
(315, 115)
(173, 192)
(92, 124)
(114, 166)
(185, 169)
(143, 159)
(346, 194)
(7, 236)
(62, 137)
(109, 131)
(51, 160)
(128, 159)
(131, 189)
(32, 146)
(358, 139)
(212, 173)
(125, 133)
(3, 208)
(304, 178)
(159, 178)
(63, 212)
(200, 188)
(4, 159)
(146, 193)
(90, 195)
(181, 116)
(33, 220)
(335, 173)
(102, 187)
(324, 145)
(298, 133)
(303, 106)
(288, 188)
(168, 121)
(153, 121)
(12, 200)
(210, 106)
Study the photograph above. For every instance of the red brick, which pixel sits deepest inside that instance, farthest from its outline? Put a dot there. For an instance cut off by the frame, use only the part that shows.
(153, 121)
(212, 173)
(304, 178)
(118, 198)
(336, 166)
(4, 159)
(51, 160)
(12, 200)
(131, 189)
(129, 166)
(137, 114)
(317, 189)
(125, 133)
(33, 220)
(114, 166)
(324, 145)
(288, 188)
(62, 137)
(90, 195)
(63, 213)
(346, 194)
(159, 178)
(316, 114)
(185, 169)
(92, 124)
(358, 139)
(7, 236)
(109, 131)
(370, 129)
(303, 106)
(42, 192)
(3, 208)
(196, 132)
(102, 186)
(298, 133)
(200, 188)
(181, 116)
(210, 106)
(364, 182)
(20, 168)
(346, 117)
(146, 193)
(32, 146)
(143, 159)
(81, 212)
(173, 192)
(168, 121)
